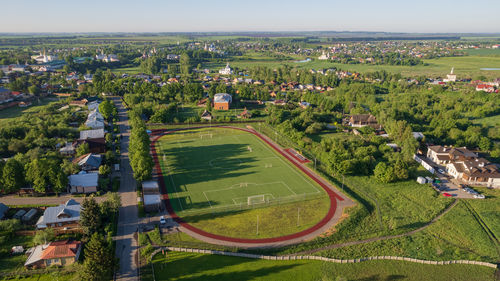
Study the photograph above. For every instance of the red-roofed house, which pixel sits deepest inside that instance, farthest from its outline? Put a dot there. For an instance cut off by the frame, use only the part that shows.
(59, 253)
(485, 88)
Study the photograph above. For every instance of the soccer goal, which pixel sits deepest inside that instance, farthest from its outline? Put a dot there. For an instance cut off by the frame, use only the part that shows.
(249, 148)
(268, 165)
(206, 136)
(256, 199)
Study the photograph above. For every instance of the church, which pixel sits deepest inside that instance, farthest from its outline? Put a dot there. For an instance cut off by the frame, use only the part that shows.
(226, 71)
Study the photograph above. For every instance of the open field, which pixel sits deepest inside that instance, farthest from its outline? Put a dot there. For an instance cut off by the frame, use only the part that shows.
(191, 266)
(210, 174)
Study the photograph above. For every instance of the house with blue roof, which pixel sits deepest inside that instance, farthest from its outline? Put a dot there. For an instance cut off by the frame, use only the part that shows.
(64, 215)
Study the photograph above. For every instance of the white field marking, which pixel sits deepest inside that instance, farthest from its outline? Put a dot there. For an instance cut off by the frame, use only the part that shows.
(207, 199)
(246, 198)
(290, 166)
(289, 188)
(237, 185)
(173, 184)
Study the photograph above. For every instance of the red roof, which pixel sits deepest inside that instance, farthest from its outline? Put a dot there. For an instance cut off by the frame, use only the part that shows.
(484, 86)
(61, 249)
(15, 93)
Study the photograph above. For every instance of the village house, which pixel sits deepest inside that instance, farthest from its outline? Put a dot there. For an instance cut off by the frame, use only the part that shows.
(222, 101)
(245, 114)
(444, 155)
(477, 171)
(83, 182)
(64, 215)
(58, 253)
(361, 120)
(88, 162)
(206, 115)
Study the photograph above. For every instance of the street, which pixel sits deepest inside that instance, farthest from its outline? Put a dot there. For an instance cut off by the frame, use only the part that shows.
(126, 244)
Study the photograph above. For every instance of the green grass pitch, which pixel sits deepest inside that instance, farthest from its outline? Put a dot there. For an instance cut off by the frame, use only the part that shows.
(217, 169)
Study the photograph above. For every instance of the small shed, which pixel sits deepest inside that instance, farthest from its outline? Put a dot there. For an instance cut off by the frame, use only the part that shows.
(29, 215)
(152, 202)
(421, 180)
(19, 214)
(149, 187)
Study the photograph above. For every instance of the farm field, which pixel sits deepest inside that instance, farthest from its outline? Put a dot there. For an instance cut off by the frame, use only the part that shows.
(210, 174)
(191, 266)
(465, 67)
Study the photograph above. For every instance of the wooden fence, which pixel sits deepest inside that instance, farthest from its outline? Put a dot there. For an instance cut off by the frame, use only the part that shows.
(254, 256)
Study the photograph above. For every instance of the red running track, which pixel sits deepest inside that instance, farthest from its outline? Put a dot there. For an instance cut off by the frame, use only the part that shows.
(329, 216)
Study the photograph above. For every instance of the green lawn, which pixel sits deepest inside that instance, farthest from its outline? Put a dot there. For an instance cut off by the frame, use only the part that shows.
(191, 266)
(211, 172)
(16, 111)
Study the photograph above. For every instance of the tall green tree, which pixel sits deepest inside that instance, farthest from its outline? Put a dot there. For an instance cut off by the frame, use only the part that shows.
(37, 174)
(90, 216)
(99, 259)
(13, 176)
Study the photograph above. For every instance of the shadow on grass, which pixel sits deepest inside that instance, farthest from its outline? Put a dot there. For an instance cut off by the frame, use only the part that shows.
(182, 266)
(379, 278)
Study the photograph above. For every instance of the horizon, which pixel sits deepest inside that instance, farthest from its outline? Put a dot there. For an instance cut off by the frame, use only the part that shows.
(152, 16)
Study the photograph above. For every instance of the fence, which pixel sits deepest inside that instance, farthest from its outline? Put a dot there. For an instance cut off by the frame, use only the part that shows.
(358, 260)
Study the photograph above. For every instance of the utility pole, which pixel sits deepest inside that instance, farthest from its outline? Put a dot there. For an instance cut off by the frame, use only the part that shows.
(298, 216)
(257, 225)
(314, 163)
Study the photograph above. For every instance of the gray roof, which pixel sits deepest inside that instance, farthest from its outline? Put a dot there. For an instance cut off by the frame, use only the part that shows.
(223, 97)
(92, 160)
(92, 134)
(84, 180)
(3, 210)
(69, 211)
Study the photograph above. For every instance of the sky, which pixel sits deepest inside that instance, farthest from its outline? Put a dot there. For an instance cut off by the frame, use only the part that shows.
(421, 16)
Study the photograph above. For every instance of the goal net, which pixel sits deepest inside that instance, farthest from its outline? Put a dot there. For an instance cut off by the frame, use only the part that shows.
(256, 199)
(249, 148)
(205, 136)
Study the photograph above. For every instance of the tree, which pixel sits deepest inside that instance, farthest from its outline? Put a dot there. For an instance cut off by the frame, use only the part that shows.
(58, 178)
(13, 176)
(104, 170)
(44, 236)
(107, 109)
(90, 216)
(82, 149)
(37, 174)
(384, 173)
(99, 259)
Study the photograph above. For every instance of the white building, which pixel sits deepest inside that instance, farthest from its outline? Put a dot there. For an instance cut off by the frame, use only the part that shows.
(450, 77)
(226, 71)
(324, 56)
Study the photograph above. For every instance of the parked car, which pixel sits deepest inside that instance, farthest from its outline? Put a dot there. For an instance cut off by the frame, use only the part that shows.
(446, 194)
(479, 196)
(441, 171)
(163, 220)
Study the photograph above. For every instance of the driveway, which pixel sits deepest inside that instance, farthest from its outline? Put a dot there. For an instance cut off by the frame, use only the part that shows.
(126, 244)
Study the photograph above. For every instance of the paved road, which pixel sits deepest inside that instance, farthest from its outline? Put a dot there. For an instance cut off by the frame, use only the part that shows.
(126, 244)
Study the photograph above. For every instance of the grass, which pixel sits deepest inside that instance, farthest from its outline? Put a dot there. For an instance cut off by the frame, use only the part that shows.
(491, 121)
(398, 207)
(16, 111)
(273, 221)
(204, 177)
(128, 70)
(191, 266)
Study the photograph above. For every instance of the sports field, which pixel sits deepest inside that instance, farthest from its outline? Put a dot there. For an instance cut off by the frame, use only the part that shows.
(213, 170)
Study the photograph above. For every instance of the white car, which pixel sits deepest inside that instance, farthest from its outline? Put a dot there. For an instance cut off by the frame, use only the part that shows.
(479, 196)
(163, 220)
